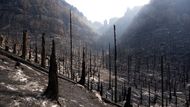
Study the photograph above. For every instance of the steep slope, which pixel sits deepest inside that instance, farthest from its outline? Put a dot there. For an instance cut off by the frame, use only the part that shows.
(38, 16)
(160, 27)
(22, 86)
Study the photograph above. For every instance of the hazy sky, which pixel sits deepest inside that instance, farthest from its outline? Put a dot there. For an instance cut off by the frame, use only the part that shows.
(99, 10)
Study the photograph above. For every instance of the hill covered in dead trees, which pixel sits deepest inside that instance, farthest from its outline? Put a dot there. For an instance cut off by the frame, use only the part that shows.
(153, 53)
(160, 27)
(22, 86)
(24, 80)
(147, 66)
(42, 16)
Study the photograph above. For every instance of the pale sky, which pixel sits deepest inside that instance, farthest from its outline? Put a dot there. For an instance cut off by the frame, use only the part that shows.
(99, 10)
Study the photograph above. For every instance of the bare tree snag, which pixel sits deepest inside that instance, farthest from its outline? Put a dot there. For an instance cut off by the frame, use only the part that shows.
(82, 80)
(43, 52)
(52, 89)
(24, 44)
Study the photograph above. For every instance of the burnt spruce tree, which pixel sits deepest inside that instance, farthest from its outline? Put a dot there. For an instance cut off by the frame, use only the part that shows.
(24, 44)
(82, 80)
(52, 89)
(43, 53)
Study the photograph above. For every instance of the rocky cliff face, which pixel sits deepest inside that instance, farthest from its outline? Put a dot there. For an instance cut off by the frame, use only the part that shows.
(38, 16)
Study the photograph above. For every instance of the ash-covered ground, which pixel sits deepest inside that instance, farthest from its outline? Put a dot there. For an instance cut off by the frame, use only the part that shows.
(22, 86)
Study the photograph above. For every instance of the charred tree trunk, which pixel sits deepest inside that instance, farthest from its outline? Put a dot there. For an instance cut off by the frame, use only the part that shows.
(128, 99)
(166, 101)
(187, 76)
(36, 53)
(149, 94)
(90, 70)
(24, 44)
(124, 92)
(147, 64)
(43, 52)
(52, 89)
(155, 86)
(141, 95)
(115, 64)
(71, 49)
(175, 88)
(63, 64)
(82, 80)
(88, 82)
(188, 98)
(91, 85)
(189, 94)
(98, 87)
(112, 93)
(109, 68)
(1, 40)
(7, 48)
(169, 83)
(162, 80)
(59, 65)
(184, 76)
(91, 63)
(101, 91)
(129, 63)
(155, 98)
(15, 49)
(187, 103)
(103, 61)
(30, 53)
(7, 44)
(176, 100)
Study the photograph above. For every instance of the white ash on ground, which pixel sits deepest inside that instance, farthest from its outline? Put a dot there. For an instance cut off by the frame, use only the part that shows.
(22, 86)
